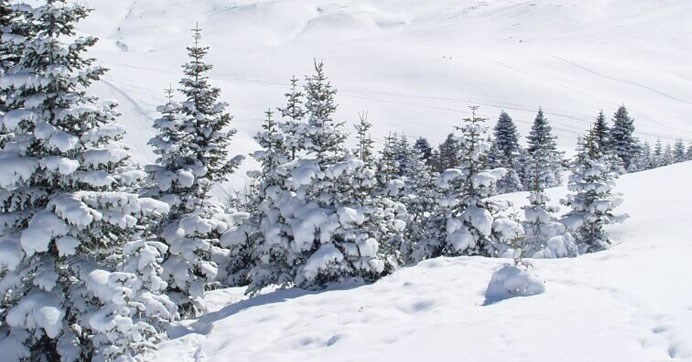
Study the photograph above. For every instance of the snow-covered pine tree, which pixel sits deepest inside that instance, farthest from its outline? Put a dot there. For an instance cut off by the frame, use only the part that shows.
(470, 223)
(243, 239)
(417, 190)
(388, 167)
(328, 223)
(679, 151)
(546, 236)
(622, 141)
(447, 155)
(667, 156)
(193, 145)
(644, 160)
(15, 24)
(593, 200)
(689, 152)
(505, 152)
(601, 133)
(542, 152)
(293, 115)
(424, 149)
(657, 155)
(71, 223)
(365, 145)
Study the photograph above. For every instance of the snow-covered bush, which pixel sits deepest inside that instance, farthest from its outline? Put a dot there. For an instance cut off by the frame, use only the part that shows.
(512, 281)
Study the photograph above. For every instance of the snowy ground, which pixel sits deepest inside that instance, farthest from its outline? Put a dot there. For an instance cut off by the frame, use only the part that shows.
(630, 303)
(414, 65)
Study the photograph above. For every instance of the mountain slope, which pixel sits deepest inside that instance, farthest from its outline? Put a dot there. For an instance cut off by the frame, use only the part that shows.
(630, 303)
(415, 66)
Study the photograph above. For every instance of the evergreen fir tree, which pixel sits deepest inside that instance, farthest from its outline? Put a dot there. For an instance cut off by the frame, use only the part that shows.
(468, 222)
(542, 153)
(243, 239)
(601, 133)
(505, 153)
(679, 151)
(365, 144)
(72, 222)
(667, 156)
(388, 167)
(417, 191)
(15, 26)
(545, 236)
(424, 149)
(592, 201)
(192, 145)
(645, 160)
(622, 141)
(326, 223)
(447, 154)
(689, 152)
(293, 114)
(657, 156)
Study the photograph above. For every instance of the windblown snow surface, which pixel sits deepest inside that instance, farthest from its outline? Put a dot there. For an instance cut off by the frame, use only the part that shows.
(630, 303)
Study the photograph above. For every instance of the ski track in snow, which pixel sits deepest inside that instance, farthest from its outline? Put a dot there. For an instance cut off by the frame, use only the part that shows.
(622, 81)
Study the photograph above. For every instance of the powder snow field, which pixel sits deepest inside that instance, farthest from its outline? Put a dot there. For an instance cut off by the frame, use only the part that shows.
(414, 65)
(630, 303)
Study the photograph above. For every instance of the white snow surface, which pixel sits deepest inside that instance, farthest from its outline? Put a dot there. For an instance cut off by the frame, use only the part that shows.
(414, 65)
(632, 302)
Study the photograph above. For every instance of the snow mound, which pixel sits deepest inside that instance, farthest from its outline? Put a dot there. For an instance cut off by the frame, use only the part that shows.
(511, 281)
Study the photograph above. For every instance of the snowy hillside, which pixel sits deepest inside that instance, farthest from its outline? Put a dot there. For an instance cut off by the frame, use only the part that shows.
(630, 303)
(341, 238)
(415, 66)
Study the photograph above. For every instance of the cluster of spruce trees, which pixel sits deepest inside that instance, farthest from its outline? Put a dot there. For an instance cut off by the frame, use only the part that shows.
(618, 140)
(98, 255)
(659, 156)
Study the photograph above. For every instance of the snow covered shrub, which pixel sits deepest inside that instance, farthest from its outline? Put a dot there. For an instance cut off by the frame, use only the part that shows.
(512, 281)
(78, 281)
